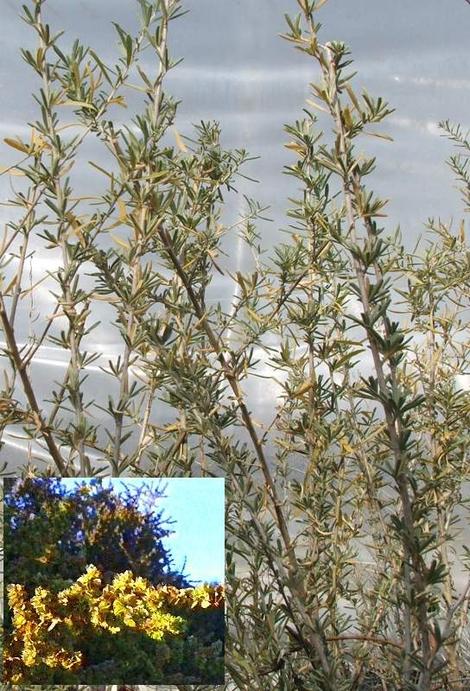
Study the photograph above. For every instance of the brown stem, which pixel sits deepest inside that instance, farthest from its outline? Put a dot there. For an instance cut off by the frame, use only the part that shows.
(228, 369)
(135, 265)
(28, 390)
(411, 560)
(370, 639)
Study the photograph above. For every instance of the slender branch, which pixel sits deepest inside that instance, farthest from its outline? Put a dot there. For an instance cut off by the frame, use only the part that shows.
(336, 111)
(28, 390)
(369, 639)
(228, 368)
(138, 249)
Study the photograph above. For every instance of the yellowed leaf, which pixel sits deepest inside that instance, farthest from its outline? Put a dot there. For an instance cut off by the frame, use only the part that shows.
(353, 97)
(379, 136)
(348, 121)
(12, 283)
(172, 428)
(316, 105)
(77, 228)
(122, 211)
(115, 224)
(303, 388)
(294, 146)
(179, 141)
(324, 250)
(38, 143)
(254, 316)
(105, 298)
(12, 170)
(120, 242)
(77, 104)
(119, 101)
(17, 144)
(346, 446)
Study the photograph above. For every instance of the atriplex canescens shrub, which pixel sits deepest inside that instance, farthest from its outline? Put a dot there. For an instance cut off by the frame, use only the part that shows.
(51, 630)
(344, 507)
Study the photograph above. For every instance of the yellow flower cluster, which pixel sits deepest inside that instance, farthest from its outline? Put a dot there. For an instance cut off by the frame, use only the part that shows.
(33, 621)
(42, 622)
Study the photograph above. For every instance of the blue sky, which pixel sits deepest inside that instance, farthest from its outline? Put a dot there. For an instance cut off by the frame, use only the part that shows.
(197, 507)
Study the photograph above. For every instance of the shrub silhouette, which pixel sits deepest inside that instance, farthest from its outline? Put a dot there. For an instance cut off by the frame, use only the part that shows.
(51, 534)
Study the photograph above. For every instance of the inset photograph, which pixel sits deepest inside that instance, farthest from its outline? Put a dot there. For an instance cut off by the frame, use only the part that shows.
(113, 581)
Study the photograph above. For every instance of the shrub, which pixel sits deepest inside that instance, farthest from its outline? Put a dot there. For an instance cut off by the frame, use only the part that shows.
(116, 633)
(52, 533)
(344, 507)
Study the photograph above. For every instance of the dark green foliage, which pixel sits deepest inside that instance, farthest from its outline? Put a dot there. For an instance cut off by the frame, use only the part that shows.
(52, 534)
(135, 658)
